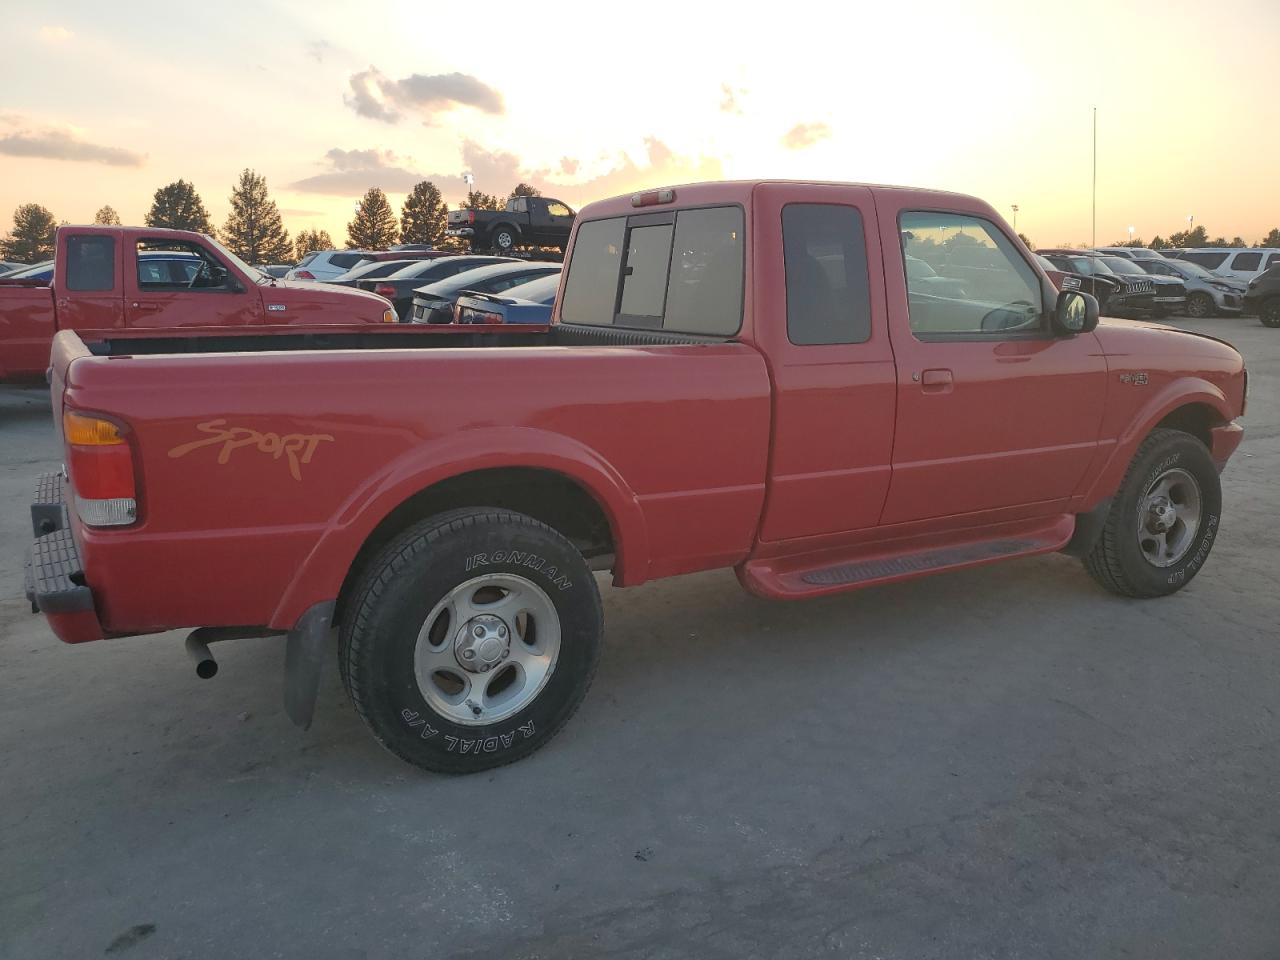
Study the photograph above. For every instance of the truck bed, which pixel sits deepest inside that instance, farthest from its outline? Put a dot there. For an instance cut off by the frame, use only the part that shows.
(279, 465)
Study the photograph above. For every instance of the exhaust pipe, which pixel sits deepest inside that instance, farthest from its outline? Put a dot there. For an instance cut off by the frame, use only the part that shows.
(198, 641)
(198, 650)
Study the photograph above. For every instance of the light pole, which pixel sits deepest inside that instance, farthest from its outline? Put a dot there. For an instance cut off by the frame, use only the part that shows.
(1015, 218)
(470, 181)
(1131, 236)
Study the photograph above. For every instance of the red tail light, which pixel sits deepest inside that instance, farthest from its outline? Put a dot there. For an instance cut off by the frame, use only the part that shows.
(100, 465)
(385, 290)
(471, 216)
(303, 275)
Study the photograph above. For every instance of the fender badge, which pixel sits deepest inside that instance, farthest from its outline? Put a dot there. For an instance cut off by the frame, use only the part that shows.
(275, 307)
(1139, 378)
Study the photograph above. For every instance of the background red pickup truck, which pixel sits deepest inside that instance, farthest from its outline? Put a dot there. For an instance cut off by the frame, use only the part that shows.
(110, 279)
(738, 375)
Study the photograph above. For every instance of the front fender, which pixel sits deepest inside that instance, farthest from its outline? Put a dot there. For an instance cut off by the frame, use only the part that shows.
(321, 575)
(1182, 392)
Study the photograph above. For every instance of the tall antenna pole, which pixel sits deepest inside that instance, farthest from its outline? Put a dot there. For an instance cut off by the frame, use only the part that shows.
(1094, 241)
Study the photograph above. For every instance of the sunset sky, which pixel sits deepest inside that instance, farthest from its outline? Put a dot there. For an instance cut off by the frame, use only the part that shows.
(103, 103)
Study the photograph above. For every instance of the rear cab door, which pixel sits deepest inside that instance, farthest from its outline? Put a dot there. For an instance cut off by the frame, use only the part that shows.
(87, 280)
(996, 414)
(181, 282)
(822, 323)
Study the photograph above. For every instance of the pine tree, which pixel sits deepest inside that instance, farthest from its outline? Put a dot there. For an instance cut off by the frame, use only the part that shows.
(524, 190)
(308, 240)
(253, 229)
(480, 201)
(374, 226)
(107, 216)
(32, 238)
(1158, 242)
(1272, 239)
(178, 206)
(424, 216)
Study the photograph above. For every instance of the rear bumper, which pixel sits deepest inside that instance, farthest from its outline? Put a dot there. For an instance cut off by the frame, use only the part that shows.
(1224, 441)
(460, 232)
(54, 576)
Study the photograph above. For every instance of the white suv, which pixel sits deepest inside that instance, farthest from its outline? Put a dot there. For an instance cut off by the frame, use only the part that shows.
(325, 264)
(1242, 263)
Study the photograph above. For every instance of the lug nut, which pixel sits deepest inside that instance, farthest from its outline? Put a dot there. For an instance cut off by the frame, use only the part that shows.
(505, 654)
(478, 631)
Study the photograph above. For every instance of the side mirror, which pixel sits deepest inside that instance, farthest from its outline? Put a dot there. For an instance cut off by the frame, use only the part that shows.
(1074, 313)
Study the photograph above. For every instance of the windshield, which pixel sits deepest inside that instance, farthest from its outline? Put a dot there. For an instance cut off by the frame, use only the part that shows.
(541, 290)
(1121, 265)
(1189, 269)
(253, 273)
(35, 270)
(373, 269)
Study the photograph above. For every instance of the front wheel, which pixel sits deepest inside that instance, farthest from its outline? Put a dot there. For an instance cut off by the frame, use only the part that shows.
(1200, 305)
(1163, 522)
(1270, 313)
(471, 640)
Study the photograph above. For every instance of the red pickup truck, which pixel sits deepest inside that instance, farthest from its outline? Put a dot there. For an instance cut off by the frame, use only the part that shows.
(112, 279)
(737, 375)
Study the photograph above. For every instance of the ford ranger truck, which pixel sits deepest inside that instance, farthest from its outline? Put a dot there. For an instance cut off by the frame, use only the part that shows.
(112, 279)
(736, 375)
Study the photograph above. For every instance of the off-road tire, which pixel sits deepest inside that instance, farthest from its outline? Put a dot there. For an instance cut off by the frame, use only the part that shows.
(1200, 305)
(397, 592)
(1116, 560)
(1269, 312)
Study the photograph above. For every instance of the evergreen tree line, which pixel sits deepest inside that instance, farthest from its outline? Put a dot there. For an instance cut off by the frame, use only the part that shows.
(254, 229)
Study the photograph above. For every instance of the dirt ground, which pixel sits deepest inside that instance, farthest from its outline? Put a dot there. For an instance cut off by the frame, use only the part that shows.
(1005, 762)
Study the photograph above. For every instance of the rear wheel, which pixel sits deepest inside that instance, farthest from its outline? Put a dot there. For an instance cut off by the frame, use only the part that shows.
(1200, 305)
(1163, 522)
(1269, 314)
(504, 239)
(471, 640)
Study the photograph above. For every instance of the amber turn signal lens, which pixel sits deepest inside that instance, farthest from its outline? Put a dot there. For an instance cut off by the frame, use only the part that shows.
(389, 316)
(89, 431)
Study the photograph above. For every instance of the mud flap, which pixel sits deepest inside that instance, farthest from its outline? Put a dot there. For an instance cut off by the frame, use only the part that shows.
(304, 654)
(1088, 530)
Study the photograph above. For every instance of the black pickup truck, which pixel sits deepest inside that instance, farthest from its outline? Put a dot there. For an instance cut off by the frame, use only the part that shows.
(526, 222)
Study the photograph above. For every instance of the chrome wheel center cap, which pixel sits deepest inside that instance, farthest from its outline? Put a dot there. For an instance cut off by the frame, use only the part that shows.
(482, 643)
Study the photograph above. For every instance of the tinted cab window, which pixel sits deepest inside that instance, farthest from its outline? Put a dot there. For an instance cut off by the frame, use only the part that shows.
(91, 263)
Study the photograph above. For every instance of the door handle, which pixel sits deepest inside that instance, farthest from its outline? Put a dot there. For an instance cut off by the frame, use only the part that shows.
(142, 305)
(936, 381)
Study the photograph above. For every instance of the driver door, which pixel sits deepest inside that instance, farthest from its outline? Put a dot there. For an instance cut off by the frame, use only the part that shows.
(179, 285)
(994, 412)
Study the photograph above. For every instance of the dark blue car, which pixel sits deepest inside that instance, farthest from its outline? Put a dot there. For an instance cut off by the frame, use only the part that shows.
(528, 302)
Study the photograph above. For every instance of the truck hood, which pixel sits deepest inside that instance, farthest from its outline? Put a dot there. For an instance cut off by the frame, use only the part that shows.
(297, 293)
(1140, 338)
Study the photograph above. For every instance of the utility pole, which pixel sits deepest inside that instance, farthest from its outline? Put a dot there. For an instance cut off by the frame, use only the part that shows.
(1094, 241)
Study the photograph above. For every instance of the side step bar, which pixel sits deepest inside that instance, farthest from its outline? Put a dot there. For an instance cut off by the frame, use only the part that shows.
(886, 562)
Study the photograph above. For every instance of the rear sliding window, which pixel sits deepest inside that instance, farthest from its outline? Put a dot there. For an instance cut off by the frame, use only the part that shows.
(91, 263)
(347, 260)
(679, 271)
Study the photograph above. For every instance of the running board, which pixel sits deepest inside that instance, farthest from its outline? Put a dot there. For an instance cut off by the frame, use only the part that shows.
(886, 562)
